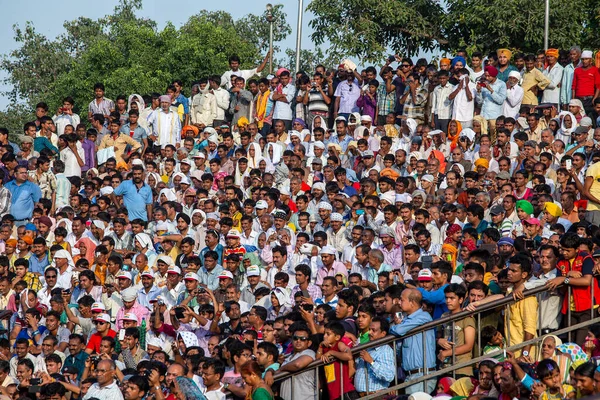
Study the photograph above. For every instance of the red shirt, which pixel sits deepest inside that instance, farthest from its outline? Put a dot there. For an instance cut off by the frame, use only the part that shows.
(334, 373)
(586, 81)
(96, 338)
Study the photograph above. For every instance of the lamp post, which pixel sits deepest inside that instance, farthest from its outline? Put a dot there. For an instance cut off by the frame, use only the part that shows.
(546, 23)
(270, 21)
(299, 34)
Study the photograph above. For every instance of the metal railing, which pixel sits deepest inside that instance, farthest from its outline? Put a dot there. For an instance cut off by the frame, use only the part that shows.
(423, 329)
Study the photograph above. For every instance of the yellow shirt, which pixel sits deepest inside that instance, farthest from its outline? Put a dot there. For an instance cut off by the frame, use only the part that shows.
(594, 172)
(120, 143)
(522, 318)
(532, 78)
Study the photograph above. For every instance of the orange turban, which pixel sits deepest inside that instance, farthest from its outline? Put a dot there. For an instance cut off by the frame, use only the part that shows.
(27, 239)
(552, 53)
(390, 173)
(452, 251)
(122, 164)
(11, 242)
(445, 61)
(482, 162)
(191, 128)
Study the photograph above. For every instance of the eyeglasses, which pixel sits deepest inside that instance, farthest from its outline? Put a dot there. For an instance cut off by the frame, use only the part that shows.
(50, 276)
(99, 322)
(301, 338)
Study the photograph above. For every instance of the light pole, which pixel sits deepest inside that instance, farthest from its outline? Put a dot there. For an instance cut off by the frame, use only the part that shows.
(270, 20)
(546, 23)
(299, 34)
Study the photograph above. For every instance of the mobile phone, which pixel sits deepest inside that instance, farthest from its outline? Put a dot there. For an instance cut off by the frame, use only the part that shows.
(121, 334)
(66, 291)
(308, 307)
(305, 294)
(427, 261)
(35, 381)
(360, 212)
(569, 164)
(529, 244)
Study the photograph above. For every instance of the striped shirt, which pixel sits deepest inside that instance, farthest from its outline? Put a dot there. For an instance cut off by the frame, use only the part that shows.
(416, 109)
(380, 372)
(104, 108)
(316, 102)
(386, 102)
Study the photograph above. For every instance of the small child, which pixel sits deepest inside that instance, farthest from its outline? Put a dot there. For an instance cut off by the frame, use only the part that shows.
(549, 374)
(60, 234)
(494, 341)
(391, 128)
(335, 352)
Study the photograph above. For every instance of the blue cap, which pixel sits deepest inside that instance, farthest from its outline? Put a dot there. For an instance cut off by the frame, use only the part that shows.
(506, 240)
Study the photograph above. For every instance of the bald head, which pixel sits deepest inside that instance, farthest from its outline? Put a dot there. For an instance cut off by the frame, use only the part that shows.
(413, 296)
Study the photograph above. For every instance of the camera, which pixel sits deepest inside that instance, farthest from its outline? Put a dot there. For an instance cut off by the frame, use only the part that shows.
(308, 307)
(179, 312)
(35, 381)
(94, 359)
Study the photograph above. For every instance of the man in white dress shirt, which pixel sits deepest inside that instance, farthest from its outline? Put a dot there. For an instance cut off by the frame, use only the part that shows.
(166, 124)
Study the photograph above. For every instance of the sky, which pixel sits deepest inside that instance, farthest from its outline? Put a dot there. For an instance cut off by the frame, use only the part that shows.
(48, 17)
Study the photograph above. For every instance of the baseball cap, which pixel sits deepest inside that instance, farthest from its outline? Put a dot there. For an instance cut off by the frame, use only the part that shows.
(253, 270)
(174, 270)
(225, 275)
(368, 153)
(424, 275)
(261, 205)
(97, 307)
(148, 273)
(497, 210)
(233, 234)
(531, 221)
(503, 175)
(506, 240)
(191, 276)
(124, 275)
(130, 317)
(103, 317)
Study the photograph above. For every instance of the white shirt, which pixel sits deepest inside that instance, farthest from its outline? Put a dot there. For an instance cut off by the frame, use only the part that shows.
(61, 121)
(72, 167)
(463, 108)
(284, 110)
(166, 126)
(64, 280)
(552, 91)
(244, 73)
(222, 97)
(512, 104)
(441, 103)
(110, 392)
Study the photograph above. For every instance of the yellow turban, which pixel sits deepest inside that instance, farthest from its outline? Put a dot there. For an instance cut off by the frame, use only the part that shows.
(506, 52)
(482, 162)
(553, 208)
(552, 53)
(242, 122)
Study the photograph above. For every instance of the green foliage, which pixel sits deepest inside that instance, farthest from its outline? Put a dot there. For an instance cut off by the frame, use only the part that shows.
(13, 118)
(255, 28)
(309, 59)
(128, 54)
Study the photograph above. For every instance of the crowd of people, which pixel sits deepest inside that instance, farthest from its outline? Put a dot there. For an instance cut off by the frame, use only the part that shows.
(173, 247)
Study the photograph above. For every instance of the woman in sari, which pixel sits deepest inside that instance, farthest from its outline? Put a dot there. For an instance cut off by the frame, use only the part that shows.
(549, 352)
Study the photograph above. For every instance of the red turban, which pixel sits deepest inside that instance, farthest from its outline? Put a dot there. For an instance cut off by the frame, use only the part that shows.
(490, 69)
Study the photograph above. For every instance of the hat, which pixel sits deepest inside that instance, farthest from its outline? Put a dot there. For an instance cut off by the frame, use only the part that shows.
(318, 186)
(306, 249)
(575, 103)
(435, 132)
(156, 342)
(514, 74)
(233, 234)
(166, 259)
(190, 192)
(336, 217)
(199, 155)
(106, 190)
(103, 317)
(294, 133)
(161, 226)
(468, 133)
(213, 215)
(552, 53)
(284, 191)
(586, 54)
(340, 118)
(427, 177)
(506, 52)
(582, 129)
(261, 205)
(188, 162)
(366, 118)
(191, 276)
(44, 220)
(389, 196)
(70, 370)
(585, 121)
(174, 270)
(225, 275)
(554, 209)
(96, 307)
(503, 175)
(492, 71)
(253, 270)
(26, 139)
(317, 160)
(324, 206)
(525, 206)
(30, 227)
(424, 275)
(368, 153)
(506, 240)
(280, 215)
(385, 231)
(319, 145)
(197, 174)
(190, 128)
(165, 98)
(497, 210)
(596, 253)
(531, 221)
(130, 317)
(27, 239)
(129, 294)
(328, 250)
(124, 275)
(147, 273)
(335, 146)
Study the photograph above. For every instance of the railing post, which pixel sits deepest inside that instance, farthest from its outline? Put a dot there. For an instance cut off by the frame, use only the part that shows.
(425, 367)
(453, 349)
(569, 311)
(592, 299)
(318, 388)
(539, 317)
(479, 346)
(395, 363)
(292, 387)
(367, 375)
(506, 322)
(341, 378)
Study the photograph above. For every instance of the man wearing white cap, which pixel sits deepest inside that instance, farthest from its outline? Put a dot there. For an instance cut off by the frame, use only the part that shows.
(514, 95)
(149, 291)
(131, 306)
(64, 264)
(586, 82)
(165, 123)
(567, 78)
(324, 209)
(336, 234)
(330, 267)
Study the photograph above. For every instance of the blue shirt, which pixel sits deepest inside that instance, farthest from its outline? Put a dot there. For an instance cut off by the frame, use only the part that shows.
(379, 371)
(210, 279)
(218, 249)
(139, 133)
(135, 199)
(24, 197)
(41, 143)
(437, 298)
(38, 266)
(412, 346)
(145, 298)
(492, 103)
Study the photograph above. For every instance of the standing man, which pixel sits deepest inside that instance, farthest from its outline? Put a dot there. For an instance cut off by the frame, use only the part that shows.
(24, 196)
(346, 94)
(491, 96)
(166, 124)
(282, 96)
(554, 72)
(586, 82)
(567, 79)
(137, 195)
(234, 63)
(100, 105)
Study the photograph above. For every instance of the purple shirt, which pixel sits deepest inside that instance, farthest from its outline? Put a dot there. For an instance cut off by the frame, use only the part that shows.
(89, 159)
(313, 290)
(368, 105)
(392, 258)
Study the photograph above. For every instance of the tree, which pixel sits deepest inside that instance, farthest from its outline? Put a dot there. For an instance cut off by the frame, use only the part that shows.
(367, 29)
(127, 53)
(309, 59)
(515, 24)
(256, 28)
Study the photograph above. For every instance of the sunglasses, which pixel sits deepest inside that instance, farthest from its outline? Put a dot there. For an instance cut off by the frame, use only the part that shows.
(99, 322)
(301, 338)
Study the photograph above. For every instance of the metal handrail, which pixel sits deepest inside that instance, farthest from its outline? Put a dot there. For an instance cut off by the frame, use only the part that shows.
(389, 339)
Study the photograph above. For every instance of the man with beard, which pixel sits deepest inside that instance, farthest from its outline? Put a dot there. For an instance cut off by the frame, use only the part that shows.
(137, 195)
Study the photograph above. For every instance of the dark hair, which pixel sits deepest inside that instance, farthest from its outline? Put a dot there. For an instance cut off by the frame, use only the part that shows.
(457, 289)
(444, 267)
(487, 333)
(336, 327)
(545, 368)
(350, 298)
(523, 261)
